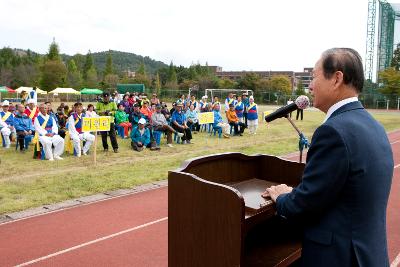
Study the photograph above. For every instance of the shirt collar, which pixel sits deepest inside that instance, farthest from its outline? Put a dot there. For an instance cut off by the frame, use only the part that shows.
(338, 105)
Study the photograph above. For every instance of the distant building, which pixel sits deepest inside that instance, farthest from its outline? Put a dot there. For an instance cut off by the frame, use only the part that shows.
(128, 73)
(305, 76)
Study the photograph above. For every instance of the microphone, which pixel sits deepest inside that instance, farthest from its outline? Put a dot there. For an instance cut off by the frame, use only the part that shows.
(301, 102)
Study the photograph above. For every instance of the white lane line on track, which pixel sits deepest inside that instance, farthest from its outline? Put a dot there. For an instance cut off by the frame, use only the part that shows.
(398, 165)
(396, 261)
(92, 242)
(392, 143)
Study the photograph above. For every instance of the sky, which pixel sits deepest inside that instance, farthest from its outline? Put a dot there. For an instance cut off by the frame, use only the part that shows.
(236, 35)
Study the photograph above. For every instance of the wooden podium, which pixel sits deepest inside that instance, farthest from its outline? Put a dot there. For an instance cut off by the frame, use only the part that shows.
(216, 216)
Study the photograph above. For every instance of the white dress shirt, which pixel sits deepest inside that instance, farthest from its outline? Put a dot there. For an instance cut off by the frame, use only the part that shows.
(338, 105)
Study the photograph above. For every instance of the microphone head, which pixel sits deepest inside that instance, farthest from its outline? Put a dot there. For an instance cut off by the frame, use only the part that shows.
(302, 102)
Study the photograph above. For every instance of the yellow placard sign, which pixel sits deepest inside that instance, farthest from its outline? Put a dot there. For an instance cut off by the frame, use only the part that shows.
(206, 117)
(267, 112)
(98, 124)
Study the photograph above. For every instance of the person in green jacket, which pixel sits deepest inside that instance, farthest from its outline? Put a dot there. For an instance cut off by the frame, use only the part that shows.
(122, 119)
(108, 108)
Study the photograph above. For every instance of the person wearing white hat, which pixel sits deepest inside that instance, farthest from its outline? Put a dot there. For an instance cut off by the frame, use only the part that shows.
(204, 104)
(46, 131)
(7, 123)
(140, 136)
(31, 110)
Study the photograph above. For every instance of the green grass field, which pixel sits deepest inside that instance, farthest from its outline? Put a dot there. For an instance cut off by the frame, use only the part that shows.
(26, 183)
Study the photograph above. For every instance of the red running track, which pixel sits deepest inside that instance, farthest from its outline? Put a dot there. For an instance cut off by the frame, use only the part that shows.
(125, 231)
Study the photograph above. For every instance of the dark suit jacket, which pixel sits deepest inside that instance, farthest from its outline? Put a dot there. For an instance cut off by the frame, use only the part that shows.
(343, 195)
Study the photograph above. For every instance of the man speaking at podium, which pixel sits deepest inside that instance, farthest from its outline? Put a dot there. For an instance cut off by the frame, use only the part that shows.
(342, 198)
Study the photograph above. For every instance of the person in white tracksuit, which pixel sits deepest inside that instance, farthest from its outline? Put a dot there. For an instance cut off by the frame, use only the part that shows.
(6, 123)
(47, 130)
(75, 131)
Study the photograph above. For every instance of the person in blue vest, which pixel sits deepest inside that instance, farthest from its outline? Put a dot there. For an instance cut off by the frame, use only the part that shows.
(75, 131)
(229, 100)
(219, 122)
(252, 116)
(47, 131)
(24, 127)
(7, 127)
(342, 197)
(33, 95)
(178, 121)
(239, 109)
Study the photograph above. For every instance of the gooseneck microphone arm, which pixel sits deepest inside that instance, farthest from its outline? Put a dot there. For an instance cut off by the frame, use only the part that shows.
(303, 142)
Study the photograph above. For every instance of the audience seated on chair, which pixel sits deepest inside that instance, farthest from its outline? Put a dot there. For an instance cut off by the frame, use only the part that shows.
(218, 122)
(31, 110)
(160, 123)
(178, 121)
(193, 118)
(122, 120)
(75, 131)
(233, 120)
(7, 124)
(46, 132)
(24, 128)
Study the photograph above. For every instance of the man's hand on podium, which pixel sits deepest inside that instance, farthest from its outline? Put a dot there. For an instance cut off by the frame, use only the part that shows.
(274, 191)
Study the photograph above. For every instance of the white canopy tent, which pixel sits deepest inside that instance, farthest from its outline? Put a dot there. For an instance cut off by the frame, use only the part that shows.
(28, 89)
(64, 91)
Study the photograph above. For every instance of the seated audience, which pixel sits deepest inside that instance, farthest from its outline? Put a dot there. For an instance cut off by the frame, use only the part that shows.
(90, 113)
(122, 119)
(218, 122)
(233, 120)
(75, 131)
(47, 132)
(7, 125)
(160, 123)
(140, 137)
(192, 118)
(178, 120)
(23, 126)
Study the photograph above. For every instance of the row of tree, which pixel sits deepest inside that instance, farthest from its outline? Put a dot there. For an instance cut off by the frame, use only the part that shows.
(26, 68)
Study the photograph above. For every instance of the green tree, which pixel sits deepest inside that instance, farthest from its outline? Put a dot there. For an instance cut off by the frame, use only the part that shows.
(390, 80)
(91, 80)
(300, 88)
(74, 77)
(157, 84)
(396, 58)
(88, 65)
(54, 52)
(249, 81)
(281, 83)
(109, 65)
(140, 78)
(110, 81)
(53, 75)
(141, 69)
(172, 82)
(226, 84)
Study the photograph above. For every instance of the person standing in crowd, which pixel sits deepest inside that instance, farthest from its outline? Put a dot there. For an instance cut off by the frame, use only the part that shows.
(24, 127)
(246, 104)
(107, 108)
(178, 121)
(33, 95)
(7, 126)
(229, 100)
(90, 113)
(342, 197)
(239, 109)
(160, 123)
(194, 102)
(252, 116)
(122, 119)
(75, 131)
(233, 120)
(290, 101)
(299, 112)
(203, 104)
(46, 131)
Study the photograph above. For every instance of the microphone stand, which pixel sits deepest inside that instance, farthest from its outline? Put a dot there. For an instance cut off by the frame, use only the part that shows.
(303, 142)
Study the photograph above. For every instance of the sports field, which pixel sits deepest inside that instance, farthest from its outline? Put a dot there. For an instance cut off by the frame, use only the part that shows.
(26, 183)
